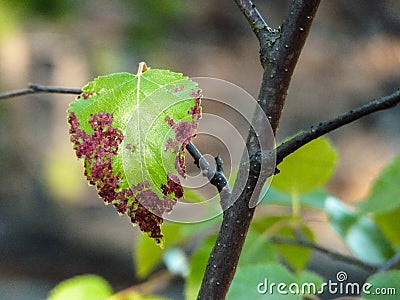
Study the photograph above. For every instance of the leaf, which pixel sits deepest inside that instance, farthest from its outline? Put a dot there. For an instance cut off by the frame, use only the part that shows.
(306, 169)
(131, 132)
(389, 223)
(383, 286)
(385, 192)
(284, 226)
(82, 287)
(296, 256)
(364, 239)
(271, 281)
(314, 199)
(257, 249)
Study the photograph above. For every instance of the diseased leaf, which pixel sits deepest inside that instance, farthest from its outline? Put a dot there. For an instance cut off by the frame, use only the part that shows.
(131, 131)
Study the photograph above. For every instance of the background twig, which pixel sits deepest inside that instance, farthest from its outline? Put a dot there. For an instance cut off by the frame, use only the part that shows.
(38, 88)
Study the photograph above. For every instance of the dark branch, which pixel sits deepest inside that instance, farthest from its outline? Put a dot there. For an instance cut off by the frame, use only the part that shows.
(216, 177)
(332, 254)
(279, 53)
(323, 128)
(38, 88)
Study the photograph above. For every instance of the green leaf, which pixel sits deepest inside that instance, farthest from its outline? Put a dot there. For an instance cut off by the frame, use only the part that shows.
(362, 236)
(389, 223)
(383, 286)
(385, 192)
(285, 226)
(147, 255)
(257, 249)
(310, 282)
(306, 169)
(83, 287)
(260, 281)
(131, 132)
(198, 264)
(134, 295)
(313, 199)
(296, 256)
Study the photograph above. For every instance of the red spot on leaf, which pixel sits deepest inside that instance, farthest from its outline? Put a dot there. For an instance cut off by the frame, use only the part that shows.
(184, 132)
(179, 88)
(97, 149)
(86, 95)
(131, 148)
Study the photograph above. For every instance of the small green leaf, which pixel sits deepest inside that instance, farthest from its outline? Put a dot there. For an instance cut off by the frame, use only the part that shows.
(383, 286)
(131, 131)
(314, 199)
(389, 223)
(296, 256)
(257, 249)
(83, 287)
(134, 295)
(147, 255)
(364, 239)
(260, 281)
(306, 169)
(284, 226)
(310, 282)
(385, 192)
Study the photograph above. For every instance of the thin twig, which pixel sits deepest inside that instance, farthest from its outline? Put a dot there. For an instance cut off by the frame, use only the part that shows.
(38, 88)
(332, 254)
(216, 177)
(324, 127)
(392, 263)
(260, 28)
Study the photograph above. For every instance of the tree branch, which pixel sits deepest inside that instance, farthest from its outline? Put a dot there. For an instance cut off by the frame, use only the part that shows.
(279, 57)
(324, 127)
(332, 254)
(256, 21)
(38, 88)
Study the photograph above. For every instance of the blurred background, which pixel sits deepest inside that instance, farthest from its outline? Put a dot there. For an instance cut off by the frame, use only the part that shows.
(52, 225)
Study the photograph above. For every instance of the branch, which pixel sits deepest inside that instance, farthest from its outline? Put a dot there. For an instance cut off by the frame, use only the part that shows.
(37, 88)
(216, 178)
(279, 56)
(324, 127)
(332, 254)
(256, 21)
(392, 263)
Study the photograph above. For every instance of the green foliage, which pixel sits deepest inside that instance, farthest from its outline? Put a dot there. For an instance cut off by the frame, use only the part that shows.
(83, 287)
(385, 192)
(256, 282)
(306, 169)
(363, 237)
(131, 131)
(388, 284)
